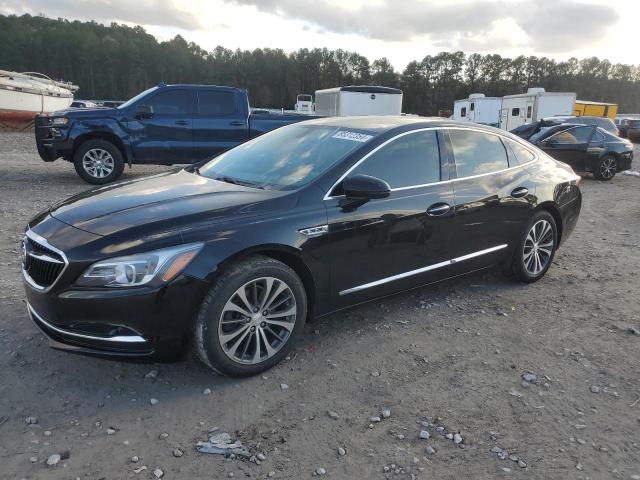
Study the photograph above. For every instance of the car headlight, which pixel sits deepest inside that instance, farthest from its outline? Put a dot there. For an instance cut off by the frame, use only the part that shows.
(59, 121)
(155, 267)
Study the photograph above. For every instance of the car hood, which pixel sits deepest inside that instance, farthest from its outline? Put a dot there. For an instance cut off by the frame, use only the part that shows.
(78, 113)
(169, 201)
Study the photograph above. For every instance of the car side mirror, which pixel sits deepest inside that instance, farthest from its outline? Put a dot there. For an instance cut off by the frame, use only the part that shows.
(364, 187)
(144, 111)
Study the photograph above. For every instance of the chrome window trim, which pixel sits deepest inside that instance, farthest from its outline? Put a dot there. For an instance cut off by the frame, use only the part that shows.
(328, 195)
(116, 339)
(43, 241)
(418, 271)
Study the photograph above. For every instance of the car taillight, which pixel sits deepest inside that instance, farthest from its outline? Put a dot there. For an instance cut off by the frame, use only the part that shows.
(578, 181)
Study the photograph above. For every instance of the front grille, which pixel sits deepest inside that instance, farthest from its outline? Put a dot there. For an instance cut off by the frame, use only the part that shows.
(42, 264)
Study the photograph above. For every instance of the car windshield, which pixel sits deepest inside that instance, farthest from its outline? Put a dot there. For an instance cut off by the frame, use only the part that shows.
(286, 158)
(133, 100)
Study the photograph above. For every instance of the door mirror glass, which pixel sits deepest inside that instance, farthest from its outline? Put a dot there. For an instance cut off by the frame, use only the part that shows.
(144, 111)
(365, 187)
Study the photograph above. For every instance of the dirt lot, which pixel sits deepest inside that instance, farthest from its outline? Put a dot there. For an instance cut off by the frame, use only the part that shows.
(451, 355)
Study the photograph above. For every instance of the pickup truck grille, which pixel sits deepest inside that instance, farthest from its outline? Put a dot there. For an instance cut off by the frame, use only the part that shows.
(42, 265)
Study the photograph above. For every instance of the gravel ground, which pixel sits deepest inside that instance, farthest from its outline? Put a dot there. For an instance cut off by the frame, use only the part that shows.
(446, 360)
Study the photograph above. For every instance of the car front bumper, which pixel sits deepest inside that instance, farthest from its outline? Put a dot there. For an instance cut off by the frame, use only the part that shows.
(118, 323)
(52, 142)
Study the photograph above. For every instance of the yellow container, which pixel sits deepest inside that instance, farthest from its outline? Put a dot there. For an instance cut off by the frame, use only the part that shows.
(595, 109)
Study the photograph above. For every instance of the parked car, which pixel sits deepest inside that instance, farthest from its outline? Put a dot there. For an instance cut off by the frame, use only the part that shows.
(234, 255)
(526, 131)
(167, 124)
(622, 125)
(111, 103)
(83, 104)
(586, 149)
(633, 129)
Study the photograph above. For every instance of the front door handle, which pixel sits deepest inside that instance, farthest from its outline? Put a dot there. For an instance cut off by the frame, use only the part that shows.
(237, 123)
(520, 192)
(438, 209)
(182, 122)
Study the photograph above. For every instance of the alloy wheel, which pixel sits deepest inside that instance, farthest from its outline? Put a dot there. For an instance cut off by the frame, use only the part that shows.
(608, 168)
(257, 320)
(538, 247)
(98, 163)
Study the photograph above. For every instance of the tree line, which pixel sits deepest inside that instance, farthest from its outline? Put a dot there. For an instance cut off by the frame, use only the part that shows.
(117, 62)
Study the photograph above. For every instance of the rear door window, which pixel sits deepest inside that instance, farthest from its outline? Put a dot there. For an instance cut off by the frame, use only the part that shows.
(216, 103)
(411, 160)
(477, 153)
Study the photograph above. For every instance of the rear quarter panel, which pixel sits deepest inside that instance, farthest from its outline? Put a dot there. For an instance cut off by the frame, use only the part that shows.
(556, 189)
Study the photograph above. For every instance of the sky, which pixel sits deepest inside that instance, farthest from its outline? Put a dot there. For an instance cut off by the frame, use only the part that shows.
(401, 30)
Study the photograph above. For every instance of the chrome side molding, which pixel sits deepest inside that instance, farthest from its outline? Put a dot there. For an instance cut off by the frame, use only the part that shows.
(317, 231)
(423, 269)
(117, 339)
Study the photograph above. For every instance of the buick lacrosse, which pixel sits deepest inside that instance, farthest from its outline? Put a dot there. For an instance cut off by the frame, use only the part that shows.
(233, 256)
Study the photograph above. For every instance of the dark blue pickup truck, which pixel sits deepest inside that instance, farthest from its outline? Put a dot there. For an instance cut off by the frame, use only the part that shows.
(165, 125)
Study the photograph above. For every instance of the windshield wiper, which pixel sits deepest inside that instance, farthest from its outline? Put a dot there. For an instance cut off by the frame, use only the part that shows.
(235, 181)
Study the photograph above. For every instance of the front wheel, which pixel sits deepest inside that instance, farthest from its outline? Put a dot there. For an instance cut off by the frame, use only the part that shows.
(251, 317)
(534, 254)
(98, 161)
(605, 168)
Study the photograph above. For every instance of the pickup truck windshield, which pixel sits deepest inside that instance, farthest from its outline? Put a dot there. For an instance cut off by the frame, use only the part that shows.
(287, 158)
(135, 99)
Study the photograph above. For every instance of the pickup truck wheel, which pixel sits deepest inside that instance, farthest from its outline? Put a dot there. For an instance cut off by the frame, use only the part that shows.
(98, 162)
(251, 317)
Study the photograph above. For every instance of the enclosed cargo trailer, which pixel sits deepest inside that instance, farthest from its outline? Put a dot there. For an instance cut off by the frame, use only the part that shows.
(358, 100)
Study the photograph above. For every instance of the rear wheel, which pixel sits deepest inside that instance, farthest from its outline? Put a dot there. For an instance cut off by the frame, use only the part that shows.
(534, 254)
(251, 317)
(605, 168)
(98, 161)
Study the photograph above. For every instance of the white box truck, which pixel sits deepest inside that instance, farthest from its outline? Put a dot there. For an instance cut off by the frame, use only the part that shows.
(533, 106)
(358, 100)
(478, 109)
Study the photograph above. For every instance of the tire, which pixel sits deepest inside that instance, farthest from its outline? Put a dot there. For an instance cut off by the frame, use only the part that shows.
(219, 315)
(605, 168)
(524, 266)
(98, 161)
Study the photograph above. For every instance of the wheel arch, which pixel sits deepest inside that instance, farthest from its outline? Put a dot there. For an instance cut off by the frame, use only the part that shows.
(101, 135)
(553, 210)
(288, 255)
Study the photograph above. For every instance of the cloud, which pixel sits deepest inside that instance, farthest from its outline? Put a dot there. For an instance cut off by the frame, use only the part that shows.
(560, 26)
(548, 25)
(143, 12)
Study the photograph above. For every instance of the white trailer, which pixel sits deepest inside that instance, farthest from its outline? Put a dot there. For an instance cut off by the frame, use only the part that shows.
(533, 106)
(304, 104)
(478, 109)
(358, 100)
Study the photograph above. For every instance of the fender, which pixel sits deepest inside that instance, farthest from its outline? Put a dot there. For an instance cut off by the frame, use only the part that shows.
(106, 128)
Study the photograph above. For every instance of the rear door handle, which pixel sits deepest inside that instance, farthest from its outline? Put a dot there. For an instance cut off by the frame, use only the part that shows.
(237, 123)
(182, 122)
(520, 192)
(438, 209)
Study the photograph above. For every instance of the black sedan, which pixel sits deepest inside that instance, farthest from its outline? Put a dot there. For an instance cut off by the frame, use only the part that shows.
(529, 129)
(309, 219)
(586, 149)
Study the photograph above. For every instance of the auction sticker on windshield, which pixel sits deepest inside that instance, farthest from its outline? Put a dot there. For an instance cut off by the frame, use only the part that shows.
(354, 136)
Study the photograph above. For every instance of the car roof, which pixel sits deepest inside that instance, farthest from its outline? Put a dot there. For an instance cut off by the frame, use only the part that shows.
(385, 123)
